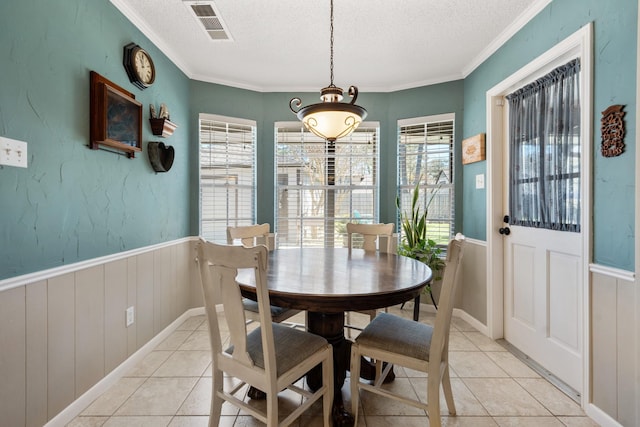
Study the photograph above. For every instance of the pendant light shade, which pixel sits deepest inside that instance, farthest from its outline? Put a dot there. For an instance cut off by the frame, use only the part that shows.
(331, 119)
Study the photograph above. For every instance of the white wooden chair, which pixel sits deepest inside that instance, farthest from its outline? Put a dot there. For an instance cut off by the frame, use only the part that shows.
(404, 342)
(270, 358)
(373, 237)
(252, 235)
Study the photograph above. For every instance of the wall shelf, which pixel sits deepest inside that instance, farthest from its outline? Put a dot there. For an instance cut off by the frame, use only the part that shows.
(162, 127)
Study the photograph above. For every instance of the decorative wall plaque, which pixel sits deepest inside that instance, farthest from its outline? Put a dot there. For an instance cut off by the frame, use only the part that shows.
(473, 149)
(612, 129)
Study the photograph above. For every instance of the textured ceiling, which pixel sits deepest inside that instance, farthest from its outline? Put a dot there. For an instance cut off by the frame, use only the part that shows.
(380, 45)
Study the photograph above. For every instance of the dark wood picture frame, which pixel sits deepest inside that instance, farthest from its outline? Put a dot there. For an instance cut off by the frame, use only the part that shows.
(116, 117)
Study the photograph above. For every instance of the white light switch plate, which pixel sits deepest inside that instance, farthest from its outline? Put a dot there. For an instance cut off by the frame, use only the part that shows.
(480, 181)
(13, 152)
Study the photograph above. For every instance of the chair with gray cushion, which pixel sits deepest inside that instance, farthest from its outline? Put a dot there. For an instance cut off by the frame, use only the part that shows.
(251, 235)
(396, 340)
(371, 238)
(272, 357)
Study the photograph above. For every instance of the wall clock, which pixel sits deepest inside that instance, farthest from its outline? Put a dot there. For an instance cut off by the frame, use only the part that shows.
(139, 66)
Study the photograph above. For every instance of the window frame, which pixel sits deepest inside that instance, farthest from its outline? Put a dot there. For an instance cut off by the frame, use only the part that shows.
(248, 214)
(434, 189)
(297, 191)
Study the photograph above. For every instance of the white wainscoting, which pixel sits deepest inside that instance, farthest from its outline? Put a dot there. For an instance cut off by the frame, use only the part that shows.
(63, 330)
(614, 359)
(64, 336)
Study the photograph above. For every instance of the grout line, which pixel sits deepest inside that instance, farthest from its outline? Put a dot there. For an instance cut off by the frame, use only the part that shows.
(557, 382)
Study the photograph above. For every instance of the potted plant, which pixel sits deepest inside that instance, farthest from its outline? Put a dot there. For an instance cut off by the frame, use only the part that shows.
(415, 243)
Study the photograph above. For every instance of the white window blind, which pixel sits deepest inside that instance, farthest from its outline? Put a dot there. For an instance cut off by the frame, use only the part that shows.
(425, 155)
(227, 174)
(322, 186)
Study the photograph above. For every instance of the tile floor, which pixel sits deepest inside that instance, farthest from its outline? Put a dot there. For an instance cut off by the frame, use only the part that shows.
(172, 387)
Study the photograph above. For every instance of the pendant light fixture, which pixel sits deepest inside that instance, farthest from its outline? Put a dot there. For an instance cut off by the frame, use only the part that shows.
(331, 119)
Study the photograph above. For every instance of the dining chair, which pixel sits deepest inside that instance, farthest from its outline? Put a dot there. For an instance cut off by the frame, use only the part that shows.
(252, 235)
(371, 238)
(272, 357)
(418, 346)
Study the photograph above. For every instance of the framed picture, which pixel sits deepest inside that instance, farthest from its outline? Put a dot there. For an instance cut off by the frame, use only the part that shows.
(473, 149)
(116, 117)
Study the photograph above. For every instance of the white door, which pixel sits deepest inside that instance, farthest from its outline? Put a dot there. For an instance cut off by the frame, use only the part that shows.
(543, 299)
(543, 279)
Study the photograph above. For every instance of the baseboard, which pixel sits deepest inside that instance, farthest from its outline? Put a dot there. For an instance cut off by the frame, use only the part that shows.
(600, 417)
(81, 403)
(461, 314)
(481, 327)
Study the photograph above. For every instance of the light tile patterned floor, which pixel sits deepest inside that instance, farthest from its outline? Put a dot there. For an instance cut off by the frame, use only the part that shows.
(172, 387)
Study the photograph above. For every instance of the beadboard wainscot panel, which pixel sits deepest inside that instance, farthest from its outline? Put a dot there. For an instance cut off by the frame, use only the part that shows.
(613, 346)
(182, 280)
(144, 298)
(90, 327)
(163, 276)
(115, 303)
(12, 357)
(36, 363)
(63, 330)
(196, 287)
(132, 331)
(473, 293)
(61, 343)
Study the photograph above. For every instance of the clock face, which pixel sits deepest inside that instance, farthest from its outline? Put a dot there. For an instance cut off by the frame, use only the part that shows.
(139, 66)
(143, 67)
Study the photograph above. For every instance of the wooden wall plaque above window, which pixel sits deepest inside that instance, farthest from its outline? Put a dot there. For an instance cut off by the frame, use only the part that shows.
(116, 117)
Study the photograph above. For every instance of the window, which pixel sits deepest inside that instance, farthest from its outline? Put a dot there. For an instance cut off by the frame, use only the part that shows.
(544, 139)
(227, 174)
(322, 186)
(425, 156)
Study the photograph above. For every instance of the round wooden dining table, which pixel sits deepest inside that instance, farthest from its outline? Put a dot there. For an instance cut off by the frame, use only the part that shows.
(327, 282)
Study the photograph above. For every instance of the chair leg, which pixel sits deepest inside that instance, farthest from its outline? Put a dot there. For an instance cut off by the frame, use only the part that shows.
(216, 401)
(355, 379)
(327, 399)
(272, 409)
(448, 394)
(433, 400)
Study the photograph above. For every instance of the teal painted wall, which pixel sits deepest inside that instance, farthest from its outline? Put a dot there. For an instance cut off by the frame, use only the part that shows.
(73, 203)
(268, 108)
(615, 32)
(426, 101)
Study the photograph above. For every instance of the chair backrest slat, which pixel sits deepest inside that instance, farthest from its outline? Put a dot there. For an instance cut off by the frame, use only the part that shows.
(375, 236)
(450, 279)
(250, 235)
(219, 265)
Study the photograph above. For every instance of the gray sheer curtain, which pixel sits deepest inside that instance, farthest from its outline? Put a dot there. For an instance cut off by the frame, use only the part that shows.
(544, 138)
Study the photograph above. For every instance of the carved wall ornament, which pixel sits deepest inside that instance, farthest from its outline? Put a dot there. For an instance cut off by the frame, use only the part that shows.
(612, 129)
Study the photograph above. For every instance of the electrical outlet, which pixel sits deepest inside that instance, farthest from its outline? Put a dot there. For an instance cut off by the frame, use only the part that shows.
(131, 316)
(13, 152)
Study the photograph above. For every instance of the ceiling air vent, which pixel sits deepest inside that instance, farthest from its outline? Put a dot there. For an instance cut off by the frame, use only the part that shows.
(209, 18)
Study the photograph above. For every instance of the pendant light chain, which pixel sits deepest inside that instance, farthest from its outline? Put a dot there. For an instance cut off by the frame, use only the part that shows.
(331, 41)
(330, 119)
